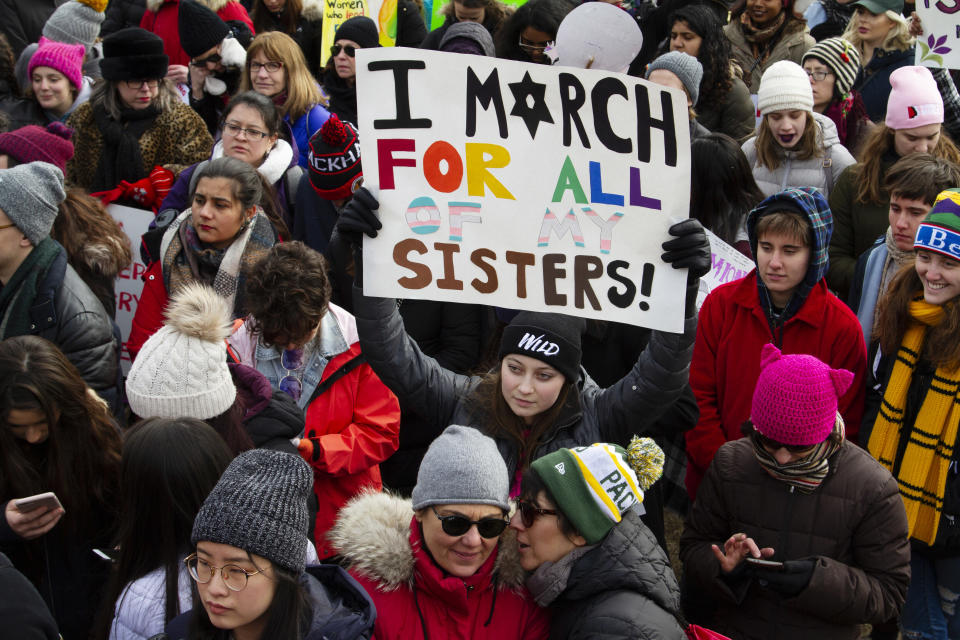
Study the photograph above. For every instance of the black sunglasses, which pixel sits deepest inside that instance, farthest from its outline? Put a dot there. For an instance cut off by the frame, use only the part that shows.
(213, 58)
(350, 49)
(529, 512)
(774, 445)
(459, 525)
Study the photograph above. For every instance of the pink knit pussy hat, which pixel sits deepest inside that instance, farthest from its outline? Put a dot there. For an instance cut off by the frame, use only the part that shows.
(65, 58)
(914, 100)
(795, 400)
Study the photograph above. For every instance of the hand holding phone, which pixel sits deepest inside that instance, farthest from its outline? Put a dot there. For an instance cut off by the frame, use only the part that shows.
(37, 515)
(760, 563)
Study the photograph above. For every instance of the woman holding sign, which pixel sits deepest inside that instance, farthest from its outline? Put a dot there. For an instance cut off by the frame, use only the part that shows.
(56, 435)
(537, 399)
(914, 434)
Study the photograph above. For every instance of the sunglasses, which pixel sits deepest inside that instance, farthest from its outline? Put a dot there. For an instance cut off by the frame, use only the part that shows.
(773, 445)
(213, 58)
(349, 49)
(291, 360)
(529, 512)
(459, 525)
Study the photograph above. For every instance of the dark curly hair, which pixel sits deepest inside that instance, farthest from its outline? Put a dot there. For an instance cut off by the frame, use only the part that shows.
(543, 15)
(715, 53)
(288, 293)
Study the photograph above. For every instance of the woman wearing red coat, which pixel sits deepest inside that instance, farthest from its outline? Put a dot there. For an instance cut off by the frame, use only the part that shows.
(309, 349)
(438, 567)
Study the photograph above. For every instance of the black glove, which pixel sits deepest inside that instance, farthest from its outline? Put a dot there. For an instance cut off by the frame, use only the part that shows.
(690, 248)
(358, 217)
(790, 580)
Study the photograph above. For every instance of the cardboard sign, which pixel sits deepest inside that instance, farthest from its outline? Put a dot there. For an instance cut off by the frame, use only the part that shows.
(727, 265)
(129, 284)
(523, 186)
(939, 46)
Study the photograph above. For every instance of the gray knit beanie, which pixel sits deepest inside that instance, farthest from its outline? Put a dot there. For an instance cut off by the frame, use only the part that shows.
(30, 195)
(471, 31)
(181, 371)
(76, 22)
(462, 466)
(685, 67)
(260, 505)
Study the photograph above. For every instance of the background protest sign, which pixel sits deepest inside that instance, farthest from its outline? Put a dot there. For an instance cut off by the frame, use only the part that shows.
(336, 12)
(129, 284)
(939, 46)
(727, 265)
(523, 186)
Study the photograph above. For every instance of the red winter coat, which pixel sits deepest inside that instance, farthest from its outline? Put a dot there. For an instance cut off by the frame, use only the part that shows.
(731, 330)
(161, 18)
(148, 318)
(384, 548)
(350, 428)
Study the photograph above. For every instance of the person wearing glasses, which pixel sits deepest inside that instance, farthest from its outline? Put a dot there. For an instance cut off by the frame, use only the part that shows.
(250, 566)
(832, 65)
(444, 564)
(340, 71)
(795, 533)
(308, 348)
(134, 120)
(251, 132)
(277, 69)
(592, 561)
(533, 26)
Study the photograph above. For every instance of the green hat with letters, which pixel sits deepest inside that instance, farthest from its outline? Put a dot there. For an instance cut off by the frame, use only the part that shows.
(595, 485)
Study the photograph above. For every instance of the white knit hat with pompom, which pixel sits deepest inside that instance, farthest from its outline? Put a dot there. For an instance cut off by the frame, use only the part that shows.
(181, 371)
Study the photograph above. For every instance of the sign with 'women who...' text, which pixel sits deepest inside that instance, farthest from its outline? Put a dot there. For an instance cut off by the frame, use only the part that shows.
(523, 186)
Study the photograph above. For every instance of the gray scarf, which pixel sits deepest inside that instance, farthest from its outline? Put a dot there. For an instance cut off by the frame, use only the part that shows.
(550, 578)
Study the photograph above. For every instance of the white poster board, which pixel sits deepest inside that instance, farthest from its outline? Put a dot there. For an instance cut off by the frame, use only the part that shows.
(727, 265)
(134, 223)
(939, 45)
(523, 186)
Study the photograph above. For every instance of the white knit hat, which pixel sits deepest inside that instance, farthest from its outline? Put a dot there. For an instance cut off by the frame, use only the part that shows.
(181, 371)
(784, 86)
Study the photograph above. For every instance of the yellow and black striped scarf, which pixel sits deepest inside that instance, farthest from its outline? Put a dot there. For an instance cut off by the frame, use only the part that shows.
(923, 471)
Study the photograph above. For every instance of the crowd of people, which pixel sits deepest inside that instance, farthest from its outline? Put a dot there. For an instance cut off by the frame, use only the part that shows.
(287, 457)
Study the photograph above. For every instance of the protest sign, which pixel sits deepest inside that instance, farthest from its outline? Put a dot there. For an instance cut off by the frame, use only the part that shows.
(336, 12)
(523, 186)
(129, 284)
(432, 9)
(727, 265)
(939, 45)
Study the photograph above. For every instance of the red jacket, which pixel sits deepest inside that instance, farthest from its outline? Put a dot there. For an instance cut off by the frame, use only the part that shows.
(731, 330)
(384, 548)
(161, 18)
(148, 317)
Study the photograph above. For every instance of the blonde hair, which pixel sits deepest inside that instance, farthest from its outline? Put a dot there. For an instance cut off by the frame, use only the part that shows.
(302, 90)
(770, 153)
(898, 38)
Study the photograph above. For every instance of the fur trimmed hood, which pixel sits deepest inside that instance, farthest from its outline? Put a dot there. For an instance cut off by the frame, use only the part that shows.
(312, 10)
(215, 5)
(372, 534)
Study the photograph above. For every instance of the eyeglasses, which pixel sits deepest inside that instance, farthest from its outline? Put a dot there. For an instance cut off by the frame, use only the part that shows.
(212, 58)
(818, 75)
(529, 512)
(533, 47)
(459, 525)
(139, 84)
(7, 226)
(773, 445)
(271, 67)
(349, 49)
(235, 130)
(233, 576)
(291, 360)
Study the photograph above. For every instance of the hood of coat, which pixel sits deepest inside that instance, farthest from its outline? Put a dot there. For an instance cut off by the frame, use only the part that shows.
(215, 5)
(280, 158)
(312, 10)
(104, 255)
(828, 130)
(341, 608)
(628, 559)
(373, 534)
(808, 202)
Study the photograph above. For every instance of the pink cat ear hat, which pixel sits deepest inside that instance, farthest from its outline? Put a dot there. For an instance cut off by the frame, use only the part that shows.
(795, 400)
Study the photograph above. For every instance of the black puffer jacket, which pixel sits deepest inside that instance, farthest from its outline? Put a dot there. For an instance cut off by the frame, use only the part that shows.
(591, 414)
(122, 14)
(69, 315)
(624, 588)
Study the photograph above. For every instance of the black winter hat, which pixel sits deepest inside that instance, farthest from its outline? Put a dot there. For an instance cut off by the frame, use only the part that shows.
(361, 30)
(200, 28)
(133, 54)
(549, 337)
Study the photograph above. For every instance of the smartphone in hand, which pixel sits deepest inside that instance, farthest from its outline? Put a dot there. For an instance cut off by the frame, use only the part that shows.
(47, 501)
(760, 563)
